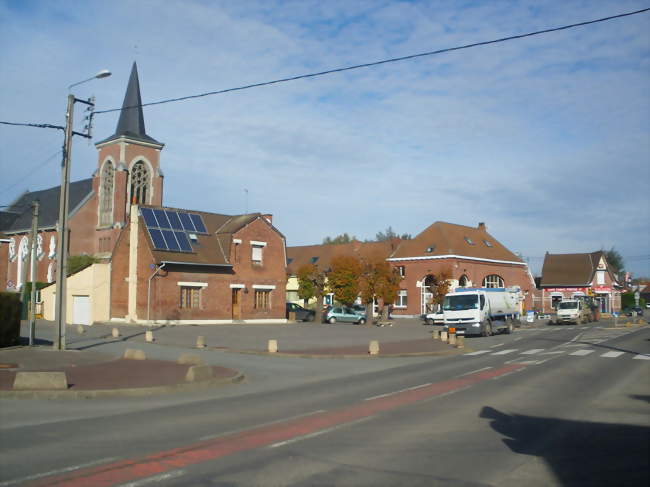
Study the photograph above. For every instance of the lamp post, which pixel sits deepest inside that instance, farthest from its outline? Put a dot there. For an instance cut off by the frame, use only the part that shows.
(62, 247)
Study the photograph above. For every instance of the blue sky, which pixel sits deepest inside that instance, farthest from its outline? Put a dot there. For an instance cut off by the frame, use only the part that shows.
(546, 139)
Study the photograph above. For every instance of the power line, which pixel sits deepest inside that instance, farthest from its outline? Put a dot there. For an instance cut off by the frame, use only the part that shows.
(31, 170)
(377, 63)
(37, 125)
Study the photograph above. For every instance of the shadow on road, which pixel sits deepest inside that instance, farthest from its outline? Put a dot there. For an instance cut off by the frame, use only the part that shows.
(579, 452)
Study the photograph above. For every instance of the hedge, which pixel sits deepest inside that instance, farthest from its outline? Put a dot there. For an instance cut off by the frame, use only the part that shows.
(10, 310)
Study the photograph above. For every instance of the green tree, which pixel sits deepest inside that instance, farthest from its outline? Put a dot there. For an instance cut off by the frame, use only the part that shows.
(339, 239)
(615, 260)
(390, 233)
(343, 278)
(312, 283)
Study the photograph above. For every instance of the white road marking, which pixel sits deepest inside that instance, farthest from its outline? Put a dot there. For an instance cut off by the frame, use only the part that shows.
(553, 352)
(504, 352)
(397, 392)
(517, 339)
(474, 371)
(448, 393)
(497, 345)
(533, 351)
(321, 432)
(246, 428)
(480, 352)
(641, 356)
(581, 353)
(155, 478)
(612, 354)
(55, 472)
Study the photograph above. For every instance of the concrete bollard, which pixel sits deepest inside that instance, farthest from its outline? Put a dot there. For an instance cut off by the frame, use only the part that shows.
(460, 341)
(373, 347)
(189, 359)
(200, 342)
(452, 339)
(444, 336)
(198, 372)
(273, 346)
(40, 380)
(80, 329)
(134, 354)
(116, 333)
(435, 334)
(148, 336)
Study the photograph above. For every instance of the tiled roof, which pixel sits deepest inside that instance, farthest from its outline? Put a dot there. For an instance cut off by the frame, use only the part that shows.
(570, 269)
(18, 217)
(443, 238)
(322, 255)
(212, 249)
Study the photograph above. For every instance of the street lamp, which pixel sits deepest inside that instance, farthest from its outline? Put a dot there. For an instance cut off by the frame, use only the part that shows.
(62, 247)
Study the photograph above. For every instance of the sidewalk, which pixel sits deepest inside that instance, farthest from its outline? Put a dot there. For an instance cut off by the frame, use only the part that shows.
(91, 372)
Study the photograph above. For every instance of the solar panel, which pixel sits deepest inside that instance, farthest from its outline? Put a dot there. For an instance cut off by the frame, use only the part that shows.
(183, 241)
(187, 222)
(163, 222)
(198, 223)
(149, 218)
(170, 240)
(174, 221)
(157, 239)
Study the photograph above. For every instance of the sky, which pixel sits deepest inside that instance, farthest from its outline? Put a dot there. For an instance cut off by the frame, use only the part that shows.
(546, 139)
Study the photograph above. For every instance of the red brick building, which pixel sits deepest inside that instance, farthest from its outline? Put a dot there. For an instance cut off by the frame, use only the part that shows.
(215, 277)
(471, 255)
(566, 276)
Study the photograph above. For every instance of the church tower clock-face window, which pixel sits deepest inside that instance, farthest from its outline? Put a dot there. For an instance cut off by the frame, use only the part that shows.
(106, 202)
(139, 184)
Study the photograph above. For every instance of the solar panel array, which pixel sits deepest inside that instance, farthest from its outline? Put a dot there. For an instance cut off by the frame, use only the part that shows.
(168, 229)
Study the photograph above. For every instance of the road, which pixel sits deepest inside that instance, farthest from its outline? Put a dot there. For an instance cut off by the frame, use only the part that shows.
(544, 406)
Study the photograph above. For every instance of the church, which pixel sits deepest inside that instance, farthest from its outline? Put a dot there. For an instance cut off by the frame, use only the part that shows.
(155, 264)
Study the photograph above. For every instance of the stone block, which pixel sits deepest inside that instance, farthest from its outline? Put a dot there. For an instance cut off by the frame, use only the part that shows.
(198, 372)
(435, 334)
(81, 329)
(373, 347)
(460, 341)
(116, 333)
(189, 359)
(444, 336)
(134, 354)
(273, 346)
(148, 336)
(200, 342)
(40, 380)
(451, 339)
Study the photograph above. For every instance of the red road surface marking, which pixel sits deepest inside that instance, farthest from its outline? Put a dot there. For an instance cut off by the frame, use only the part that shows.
(158, 463)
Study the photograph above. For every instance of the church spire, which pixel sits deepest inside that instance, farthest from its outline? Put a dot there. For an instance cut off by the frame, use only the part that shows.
(131, 122)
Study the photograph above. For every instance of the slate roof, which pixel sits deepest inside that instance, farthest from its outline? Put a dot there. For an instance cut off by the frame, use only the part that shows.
(131, 122)
(18, 217)
(322, 255)
(442, 238)
(571, 269)
(212, 249)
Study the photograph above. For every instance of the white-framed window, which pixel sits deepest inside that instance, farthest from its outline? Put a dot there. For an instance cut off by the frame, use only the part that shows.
(402, 299)
(493, 280)
(257, 250)
(262, 299)
(401, 270)
(12, 249)
(190, 294)
(600, 277)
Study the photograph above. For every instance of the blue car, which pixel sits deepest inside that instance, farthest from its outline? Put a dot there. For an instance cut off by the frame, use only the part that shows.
(344, 315)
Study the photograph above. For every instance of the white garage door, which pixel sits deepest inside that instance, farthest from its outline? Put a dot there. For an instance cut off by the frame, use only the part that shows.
(81, 310)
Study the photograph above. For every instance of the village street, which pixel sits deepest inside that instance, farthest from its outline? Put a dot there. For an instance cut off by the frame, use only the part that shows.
(547, 405)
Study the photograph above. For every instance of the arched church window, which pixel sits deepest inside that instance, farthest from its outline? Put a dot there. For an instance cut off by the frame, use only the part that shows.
(463, 281)
(139, 183)
(493, 281)
(23, 252)
(106, 194)
(52, 252)
(12, 249)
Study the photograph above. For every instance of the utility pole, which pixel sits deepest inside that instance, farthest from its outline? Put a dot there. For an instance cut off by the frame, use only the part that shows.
(62, 247)
(34, 246)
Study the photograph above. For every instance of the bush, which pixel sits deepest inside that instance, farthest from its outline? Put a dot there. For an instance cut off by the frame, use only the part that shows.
(77, 263)
(10, 309)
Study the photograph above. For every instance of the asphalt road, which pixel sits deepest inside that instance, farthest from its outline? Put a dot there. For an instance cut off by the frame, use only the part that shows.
(545, 406)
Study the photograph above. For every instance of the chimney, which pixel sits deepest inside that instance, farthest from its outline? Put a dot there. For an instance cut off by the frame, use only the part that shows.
(481, 226)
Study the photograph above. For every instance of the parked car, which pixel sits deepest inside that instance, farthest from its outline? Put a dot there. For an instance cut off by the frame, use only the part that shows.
(634, 311)
(359, 309)
(302, 314)
(344, 314)
(435, 318)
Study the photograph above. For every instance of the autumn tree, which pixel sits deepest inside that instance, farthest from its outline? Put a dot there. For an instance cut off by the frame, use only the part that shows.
(388, 286)
(312, 283)
(343, 278)
(439, 285)
(378, 280)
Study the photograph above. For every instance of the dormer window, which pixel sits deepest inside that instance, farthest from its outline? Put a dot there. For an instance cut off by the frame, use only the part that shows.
(314, 260)
(469, 241)
(193, 237)
(487, 243)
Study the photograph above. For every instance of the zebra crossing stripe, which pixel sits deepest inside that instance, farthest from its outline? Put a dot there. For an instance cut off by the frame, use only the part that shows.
(612, 354)
(480, 352)
(504, 352)
(533, 351)
(581, 353)
(642, 357)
